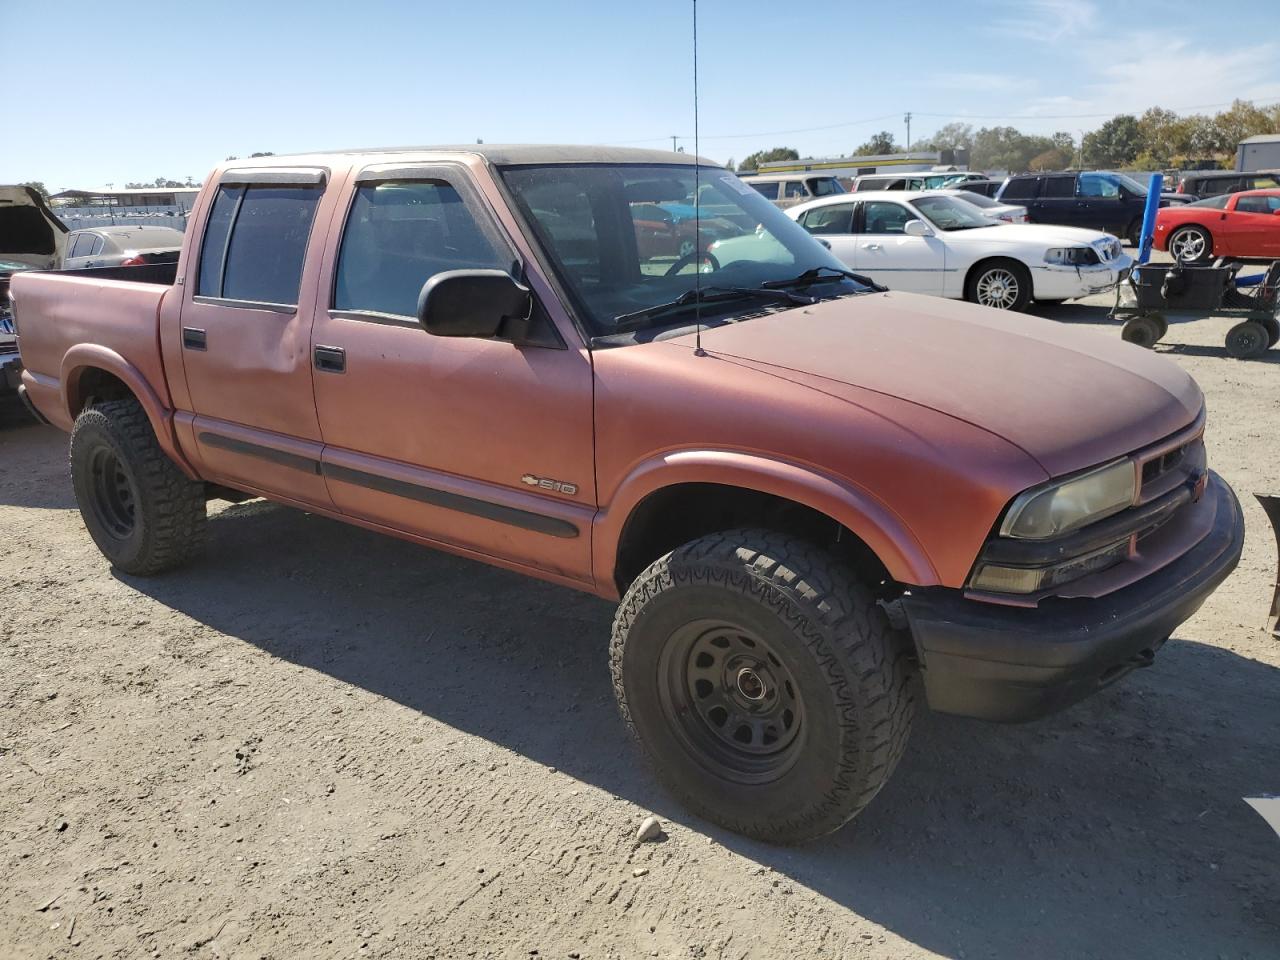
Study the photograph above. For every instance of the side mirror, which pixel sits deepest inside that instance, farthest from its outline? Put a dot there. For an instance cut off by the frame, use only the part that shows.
(917, 228)
(471, 303)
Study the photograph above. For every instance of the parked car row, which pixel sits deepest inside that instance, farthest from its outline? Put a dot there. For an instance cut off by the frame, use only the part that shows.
(1097, 200)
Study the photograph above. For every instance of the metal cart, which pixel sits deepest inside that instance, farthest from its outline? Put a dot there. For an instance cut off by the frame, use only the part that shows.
(1155, 291)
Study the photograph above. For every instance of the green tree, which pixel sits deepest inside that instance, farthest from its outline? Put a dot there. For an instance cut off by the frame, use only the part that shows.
(1006, 148)
(37, 186)
(882, 142)
(1116, 143)
(753, 161)
(951, 136)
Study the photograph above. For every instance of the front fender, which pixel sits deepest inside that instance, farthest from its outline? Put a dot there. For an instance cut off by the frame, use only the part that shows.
(82, 358)
(855, 508)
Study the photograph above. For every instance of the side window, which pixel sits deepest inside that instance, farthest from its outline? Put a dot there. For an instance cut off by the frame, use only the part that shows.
(98, 244)
(401, 233)
(1019, 188)
(768, 190)
(1262, 204)
(1264, 182)
(255, 242)
(795, 190)
(1096, 186)
(82, 246)
(884, 217)
(1218, 186)
(1058, 188)
(836, 218)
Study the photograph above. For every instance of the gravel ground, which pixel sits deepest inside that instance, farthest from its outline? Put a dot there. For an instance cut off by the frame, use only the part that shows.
(318, 742)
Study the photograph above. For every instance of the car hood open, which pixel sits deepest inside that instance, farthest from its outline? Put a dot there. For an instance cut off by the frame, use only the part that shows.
(1069, 398)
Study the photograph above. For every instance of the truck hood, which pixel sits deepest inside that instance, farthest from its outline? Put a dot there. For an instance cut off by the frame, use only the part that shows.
(29, 232)
(1068, 398)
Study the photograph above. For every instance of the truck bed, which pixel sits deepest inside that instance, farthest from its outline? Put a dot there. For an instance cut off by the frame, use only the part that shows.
(64, 316)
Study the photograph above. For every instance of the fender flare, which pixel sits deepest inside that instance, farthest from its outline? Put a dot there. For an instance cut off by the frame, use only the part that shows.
(88, 356)
(882, 530)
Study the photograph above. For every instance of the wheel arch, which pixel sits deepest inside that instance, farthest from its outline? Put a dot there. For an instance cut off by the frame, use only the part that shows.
(971, 274)
(92, 372)
(679, 496)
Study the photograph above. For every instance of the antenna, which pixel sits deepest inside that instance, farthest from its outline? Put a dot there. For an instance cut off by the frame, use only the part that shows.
(697, 201)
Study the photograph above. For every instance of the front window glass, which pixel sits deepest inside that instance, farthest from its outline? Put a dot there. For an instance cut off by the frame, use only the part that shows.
(1098, 186)
(946, 213)
(399, 234)
(619, 260)
(835, 218)
(1262, 204)
(795, 191)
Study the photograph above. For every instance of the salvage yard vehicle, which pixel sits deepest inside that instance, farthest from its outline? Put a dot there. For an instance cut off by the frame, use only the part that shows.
(1202, 184)
(1008, 212)
(812, 497)
(1097, 200)
(31, 238)
(788, 189)
(129, 245)
(1245, 225)
(934, 243)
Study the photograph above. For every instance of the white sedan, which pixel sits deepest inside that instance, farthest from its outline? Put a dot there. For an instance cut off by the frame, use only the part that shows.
(924, 242)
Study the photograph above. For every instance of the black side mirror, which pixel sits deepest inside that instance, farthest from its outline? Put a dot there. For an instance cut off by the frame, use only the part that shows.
(471, 303)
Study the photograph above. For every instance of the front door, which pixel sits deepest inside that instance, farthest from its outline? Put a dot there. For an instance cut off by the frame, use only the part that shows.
(1103, 205)
(246, 335)
(1253, 227)
(885, 253)
(483, 445)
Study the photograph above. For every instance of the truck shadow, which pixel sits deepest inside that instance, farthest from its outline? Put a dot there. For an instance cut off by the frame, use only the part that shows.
(43, 451)
(1115, 829)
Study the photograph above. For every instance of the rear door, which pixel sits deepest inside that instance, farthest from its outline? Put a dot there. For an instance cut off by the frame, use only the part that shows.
(246, 333)
(481, 444)
(884, 252)
(1057, 202)
(1022, 190)
(833, 225)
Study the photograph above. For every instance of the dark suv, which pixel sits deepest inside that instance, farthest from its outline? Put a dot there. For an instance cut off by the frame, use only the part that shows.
(1098, 200)
(1202, 184)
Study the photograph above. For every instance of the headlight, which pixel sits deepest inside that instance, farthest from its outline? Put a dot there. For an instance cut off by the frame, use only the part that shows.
(1065, 506)
(1072, 256)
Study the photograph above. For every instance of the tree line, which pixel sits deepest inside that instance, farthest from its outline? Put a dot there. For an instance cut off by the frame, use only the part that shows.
(1158, 139)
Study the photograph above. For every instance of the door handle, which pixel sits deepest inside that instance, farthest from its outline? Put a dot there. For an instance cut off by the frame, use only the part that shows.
(331, 359)
(871, 246)
(193, 338)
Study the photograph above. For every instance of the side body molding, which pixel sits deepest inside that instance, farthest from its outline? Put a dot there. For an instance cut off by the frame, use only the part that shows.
(85, 356)
(856, 509)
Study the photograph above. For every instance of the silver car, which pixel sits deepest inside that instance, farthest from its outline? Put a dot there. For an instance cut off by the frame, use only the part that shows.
(126, 245)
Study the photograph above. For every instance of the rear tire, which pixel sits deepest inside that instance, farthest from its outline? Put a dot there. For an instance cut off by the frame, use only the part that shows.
(762, 682)
(1191, 245)
(142, 512)
(999, 284)
(1133, 233)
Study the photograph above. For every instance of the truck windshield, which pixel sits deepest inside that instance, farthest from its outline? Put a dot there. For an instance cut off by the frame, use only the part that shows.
(623, 240)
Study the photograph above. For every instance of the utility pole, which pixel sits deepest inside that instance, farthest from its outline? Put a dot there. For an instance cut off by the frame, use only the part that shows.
(673, 143)
(907, 118)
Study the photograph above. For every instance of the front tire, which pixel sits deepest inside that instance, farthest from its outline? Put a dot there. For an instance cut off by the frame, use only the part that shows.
(999, 284)
(766, 688)
(139, 508)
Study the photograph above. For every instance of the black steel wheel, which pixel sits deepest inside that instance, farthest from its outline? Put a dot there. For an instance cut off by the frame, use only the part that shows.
(732, 700)
(763, 683)
(1247, 340)
(144, 514)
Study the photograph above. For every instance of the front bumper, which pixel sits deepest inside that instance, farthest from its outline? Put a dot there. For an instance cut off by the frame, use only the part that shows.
(1050, 282)
(1013, 664)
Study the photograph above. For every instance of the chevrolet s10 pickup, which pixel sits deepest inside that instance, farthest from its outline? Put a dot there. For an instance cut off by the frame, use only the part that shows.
(817, 501)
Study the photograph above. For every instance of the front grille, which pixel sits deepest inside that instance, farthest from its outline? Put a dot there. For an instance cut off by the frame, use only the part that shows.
(1169, 468)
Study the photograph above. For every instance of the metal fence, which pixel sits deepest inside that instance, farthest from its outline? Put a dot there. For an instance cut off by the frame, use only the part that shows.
(78, 218)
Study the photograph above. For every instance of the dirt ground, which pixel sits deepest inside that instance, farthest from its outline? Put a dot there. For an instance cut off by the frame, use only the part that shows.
(318, 742)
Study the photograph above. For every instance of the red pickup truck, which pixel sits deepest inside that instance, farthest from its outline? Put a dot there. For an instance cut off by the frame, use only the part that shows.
(813, 497)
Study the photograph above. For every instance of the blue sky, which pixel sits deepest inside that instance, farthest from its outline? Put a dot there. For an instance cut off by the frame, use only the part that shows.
(102, 93)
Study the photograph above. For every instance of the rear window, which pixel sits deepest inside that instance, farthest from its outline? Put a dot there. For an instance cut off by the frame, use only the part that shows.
(255, 242)
(825, 186)
(1020, 188)
(1058, 188)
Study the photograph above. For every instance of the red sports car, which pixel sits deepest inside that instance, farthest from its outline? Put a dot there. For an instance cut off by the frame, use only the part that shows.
(1243, 224)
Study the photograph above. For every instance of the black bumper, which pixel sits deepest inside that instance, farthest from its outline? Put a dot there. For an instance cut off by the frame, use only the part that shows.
(1013, 664)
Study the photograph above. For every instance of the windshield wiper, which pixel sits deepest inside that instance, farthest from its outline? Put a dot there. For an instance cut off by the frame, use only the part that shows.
(815, 275)
(638, 320)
